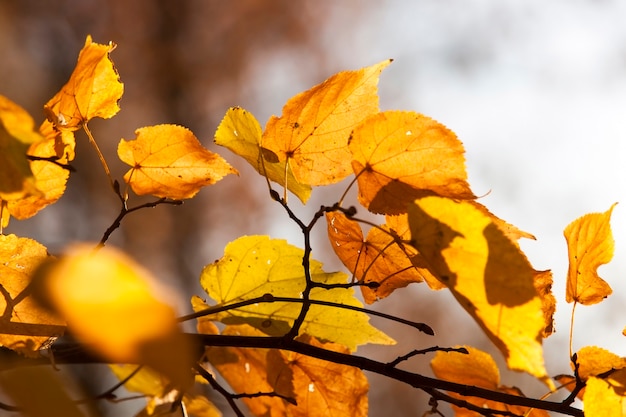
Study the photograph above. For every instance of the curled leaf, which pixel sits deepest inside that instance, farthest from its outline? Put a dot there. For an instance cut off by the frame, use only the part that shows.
(169, 161)
(93, 89)
(589, 245)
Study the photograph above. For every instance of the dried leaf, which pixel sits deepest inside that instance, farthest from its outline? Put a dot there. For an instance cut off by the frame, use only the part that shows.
(240, 132)
(169, 161)
(399, 156)
(25, 326)
(312, 133)
(487, 274)
(589, 245)
(93, 89)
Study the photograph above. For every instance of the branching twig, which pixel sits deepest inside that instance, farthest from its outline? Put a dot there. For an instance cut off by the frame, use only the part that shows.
(409, 355)
(230, 398)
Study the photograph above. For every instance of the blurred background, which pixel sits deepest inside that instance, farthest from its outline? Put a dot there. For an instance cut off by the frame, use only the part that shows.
(535, 90)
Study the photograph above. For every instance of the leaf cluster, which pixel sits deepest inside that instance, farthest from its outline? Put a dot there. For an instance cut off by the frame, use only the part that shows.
(277, 327)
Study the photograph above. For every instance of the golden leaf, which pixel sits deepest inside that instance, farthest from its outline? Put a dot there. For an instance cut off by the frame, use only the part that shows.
(25, 326)
(606, 397)
(169, 161)
(312, 133)
(115, 308)
(589, 245)
(93, 89)
(476, 368)
(240, 132)
(399, 156)
(487, 274)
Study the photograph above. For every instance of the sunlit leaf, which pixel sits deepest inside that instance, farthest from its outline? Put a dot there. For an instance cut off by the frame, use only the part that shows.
(159, 393)
(93, 89)
(312, 133)
(593, 361)
(320, 388)
(115, 308)
(169, 161)
(543, 285)
(256, 265)
(399, 156)
(382, 258)
(240, 132)
(17, 133)
(24, 326)
(476, 368)
(589, 245)
(487, 274)
(606, 397)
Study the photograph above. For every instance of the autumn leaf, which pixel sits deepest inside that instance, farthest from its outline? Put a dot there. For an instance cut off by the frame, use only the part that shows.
(487, 274)
(383, 257)
(253, 266)
(169, 161)
(478, 369)
(606, 397)
(589, 245)
(159, 393)
(314, 387)
(240, 132)
(17, 133)
(114, 307)
(399, 156)
(93, 89)
(25, 326)
(312, 133)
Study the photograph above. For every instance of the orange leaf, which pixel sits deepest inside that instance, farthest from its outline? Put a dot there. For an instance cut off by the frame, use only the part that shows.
(381, 258)
(477, 368)
(543, 285)
(25, 326)
(593, 361)
(93, 89)
(589, 245)
(116, 308)
(487, 274)
(312, 133)
(169, 161)
(399, 156)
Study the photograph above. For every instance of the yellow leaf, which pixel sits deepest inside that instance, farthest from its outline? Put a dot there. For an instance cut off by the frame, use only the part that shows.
(169, 161)
(399, 156)
(256, 265)
(24, 326)
(593, 361)
(589, 245)
(240, 132)
(115, 308)
(476, 368)
(606, 397)
(312, 133)
(93, 89)
(380, 258)
(487, 274)
(17, 133)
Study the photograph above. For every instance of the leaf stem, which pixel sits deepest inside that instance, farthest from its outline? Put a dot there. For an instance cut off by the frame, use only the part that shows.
(103, 161)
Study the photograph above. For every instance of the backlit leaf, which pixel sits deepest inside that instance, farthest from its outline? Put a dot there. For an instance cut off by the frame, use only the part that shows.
(312, 133)
(240, 132)
(17, 133)
(589, 245)
(399, 156)
(477, 368)
(487, 274)
(380, 258)
(24, 326)
(606, 397)
(169, 161)
(256, 265)
(93, 89)
(593, 361)
(115, 308)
